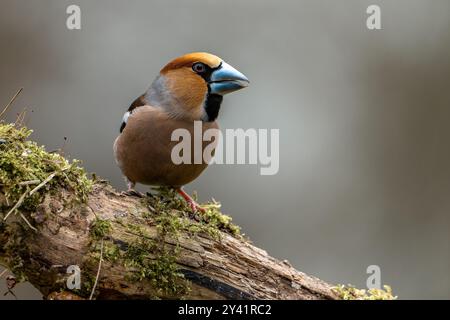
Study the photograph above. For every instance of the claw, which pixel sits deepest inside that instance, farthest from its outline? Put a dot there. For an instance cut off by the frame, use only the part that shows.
(194, 205)
(132, 193)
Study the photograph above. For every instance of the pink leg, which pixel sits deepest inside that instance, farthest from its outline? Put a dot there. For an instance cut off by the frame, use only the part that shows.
(194, 205)
(131, 191)
(130, 185)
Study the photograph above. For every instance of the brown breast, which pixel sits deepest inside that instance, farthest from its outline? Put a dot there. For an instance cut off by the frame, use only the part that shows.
(143, 150)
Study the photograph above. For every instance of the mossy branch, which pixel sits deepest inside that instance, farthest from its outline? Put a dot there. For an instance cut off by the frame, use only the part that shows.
(53, 216)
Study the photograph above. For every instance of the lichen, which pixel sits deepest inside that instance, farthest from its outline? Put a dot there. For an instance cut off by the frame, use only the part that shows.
(24, 165)
(349, 292)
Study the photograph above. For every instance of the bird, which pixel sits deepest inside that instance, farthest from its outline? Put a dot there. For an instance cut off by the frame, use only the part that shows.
(189, 88)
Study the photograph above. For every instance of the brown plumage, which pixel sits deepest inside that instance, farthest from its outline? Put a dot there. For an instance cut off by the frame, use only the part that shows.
(147, 134)
(188, 89)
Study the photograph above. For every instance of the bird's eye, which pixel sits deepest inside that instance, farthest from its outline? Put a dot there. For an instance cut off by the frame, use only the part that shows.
(199, 67)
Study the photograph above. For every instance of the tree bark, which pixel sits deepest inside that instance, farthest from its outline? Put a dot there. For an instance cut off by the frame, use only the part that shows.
(223, 267)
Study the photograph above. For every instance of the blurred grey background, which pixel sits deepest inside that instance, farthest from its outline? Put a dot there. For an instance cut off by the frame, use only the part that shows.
(363, 116)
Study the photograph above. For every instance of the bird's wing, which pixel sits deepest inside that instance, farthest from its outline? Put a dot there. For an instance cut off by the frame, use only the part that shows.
(139, 102)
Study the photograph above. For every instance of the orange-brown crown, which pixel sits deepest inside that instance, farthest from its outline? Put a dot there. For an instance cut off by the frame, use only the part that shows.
(189, 59)
(188, 88)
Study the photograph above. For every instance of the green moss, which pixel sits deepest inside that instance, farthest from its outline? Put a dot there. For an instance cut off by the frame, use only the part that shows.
(162, 270)
(351, 293)
(100, 229)
(16, 265)
(153, 258)
(216, 221)
(134, 228)
(87, 283)
(145, 259)
(15, 250)
(111, 252)
(24, 165)
(172, 214)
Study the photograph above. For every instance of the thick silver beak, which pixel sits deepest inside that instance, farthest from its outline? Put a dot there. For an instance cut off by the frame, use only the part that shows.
(227, 79)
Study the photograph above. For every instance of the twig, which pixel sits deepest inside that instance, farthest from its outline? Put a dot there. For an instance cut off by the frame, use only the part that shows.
(27, 222)
(18, 204)
(23, 196)
(43, 183)
(27, 183)
(93, 211)
(68, 180)
(20, 121)
(24, 183)
(11, 102)
(98, 271)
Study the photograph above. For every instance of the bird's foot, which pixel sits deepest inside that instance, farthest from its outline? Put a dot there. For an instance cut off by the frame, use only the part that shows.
(132, 193)
(194, 205)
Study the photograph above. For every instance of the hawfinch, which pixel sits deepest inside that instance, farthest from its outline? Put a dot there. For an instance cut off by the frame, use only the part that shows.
(189, 88)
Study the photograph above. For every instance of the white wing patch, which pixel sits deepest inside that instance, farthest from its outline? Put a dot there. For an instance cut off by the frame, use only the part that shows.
(125, 117)
(124, 120)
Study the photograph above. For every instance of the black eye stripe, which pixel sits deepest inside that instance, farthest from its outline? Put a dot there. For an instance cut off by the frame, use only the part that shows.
(206, 74)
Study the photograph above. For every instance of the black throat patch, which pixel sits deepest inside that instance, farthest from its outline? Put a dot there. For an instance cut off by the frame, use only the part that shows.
(213, 101)
(212, 106)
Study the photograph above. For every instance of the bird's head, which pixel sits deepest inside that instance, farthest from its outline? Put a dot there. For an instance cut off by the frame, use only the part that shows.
(192, 86)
